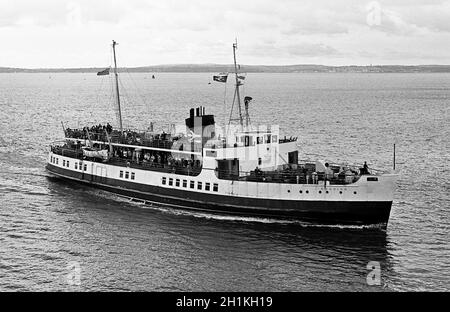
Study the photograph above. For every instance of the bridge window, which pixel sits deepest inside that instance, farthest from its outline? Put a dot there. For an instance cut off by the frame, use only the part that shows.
(259, 140)
(215, 187)
(192, 185)
(259, 161)
(184, 183)
(177, 182)
(80, 165)
(56, 160)
(85, 167)
(207, 186)
(274, 138)
(247, 140)
(164, 180)
(267, 137)
(64, 162)
(127, 174)
(67, 163)
(132, 176)
(76, 166)
(199, 185)
(170, 181)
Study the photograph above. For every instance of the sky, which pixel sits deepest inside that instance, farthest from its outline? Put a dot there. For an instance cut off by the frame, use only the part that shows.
(78, 33)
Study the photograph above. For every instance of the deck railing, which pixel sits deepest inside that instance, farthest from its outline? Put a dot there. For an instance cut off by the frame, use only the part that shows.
(176, 168)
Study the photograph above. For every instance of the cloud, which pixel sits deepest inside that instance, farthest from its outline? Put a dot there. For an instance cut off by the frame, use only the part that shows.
(393, 22)
(78, 32)
(311, 50)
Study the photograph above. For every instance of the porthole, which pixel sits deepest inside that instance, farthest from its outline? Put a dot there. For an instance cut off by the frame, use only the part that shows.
(307, 192)
(289, 191)
(340, 192)
(300, 191)
(327, 192)
(354, 192)
(320, 192)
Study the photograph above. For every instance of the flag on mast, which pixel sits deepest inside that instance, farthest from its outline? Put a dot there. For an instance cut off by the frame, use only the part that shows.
(103, 72)
(220, 77)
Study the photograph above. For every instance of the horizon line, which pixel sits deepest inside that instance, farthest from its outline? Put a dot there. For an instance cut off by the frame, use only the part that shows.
(217, 64)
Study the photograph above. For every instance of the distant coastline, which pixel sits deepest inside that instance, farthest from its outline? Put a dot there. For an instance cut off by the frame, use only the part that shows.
(211, 68)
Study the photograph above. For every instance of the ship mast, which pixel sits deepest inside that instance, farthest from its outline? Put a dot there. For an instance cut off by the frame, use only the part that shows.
(237, 85)
(117, 86)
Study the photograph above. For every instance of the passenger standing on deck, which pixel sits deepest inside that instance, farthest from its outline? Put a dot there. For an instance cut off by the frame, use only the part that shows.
(328, 172)
(365, 169)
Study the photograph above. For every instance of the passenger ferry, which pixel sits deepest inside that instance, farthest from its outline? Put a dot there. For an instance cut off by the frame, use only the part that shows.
(240, 170)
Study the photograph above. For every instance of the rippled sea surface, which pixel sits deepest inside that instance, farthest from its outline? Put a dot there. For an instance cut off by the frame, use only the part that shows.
(47, 226)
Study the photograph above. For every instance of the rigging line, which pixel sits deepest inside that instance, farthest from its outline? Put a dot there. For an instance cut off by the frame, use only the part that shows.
(143, 99)
(225, 106)
(139, 94)
(125, 96)
(232, 106)
(100, 90)
(231, 113)
(112, 97)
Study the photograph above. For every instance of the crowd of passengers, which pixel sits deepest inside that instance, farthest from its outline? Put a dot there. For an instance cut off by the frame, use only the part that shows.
(301, 175)
(154, 158)
(82, 133)
(98, 133)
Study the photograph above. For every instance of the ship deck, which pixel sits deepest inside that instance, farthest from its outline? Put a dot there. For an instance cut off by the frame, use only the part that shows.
(298, 174)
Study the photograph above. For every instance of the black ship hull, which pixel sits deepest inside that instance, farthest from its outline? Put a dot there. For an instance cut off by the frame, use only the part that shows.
(359, 213)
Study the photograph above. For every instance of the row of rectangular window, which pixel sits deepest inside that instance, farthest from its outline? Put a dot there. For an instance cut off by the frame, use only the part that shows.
(248, 139)
(127, 175)
(53, 160)
(66, 163)
(80, 166)
(191, 184)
